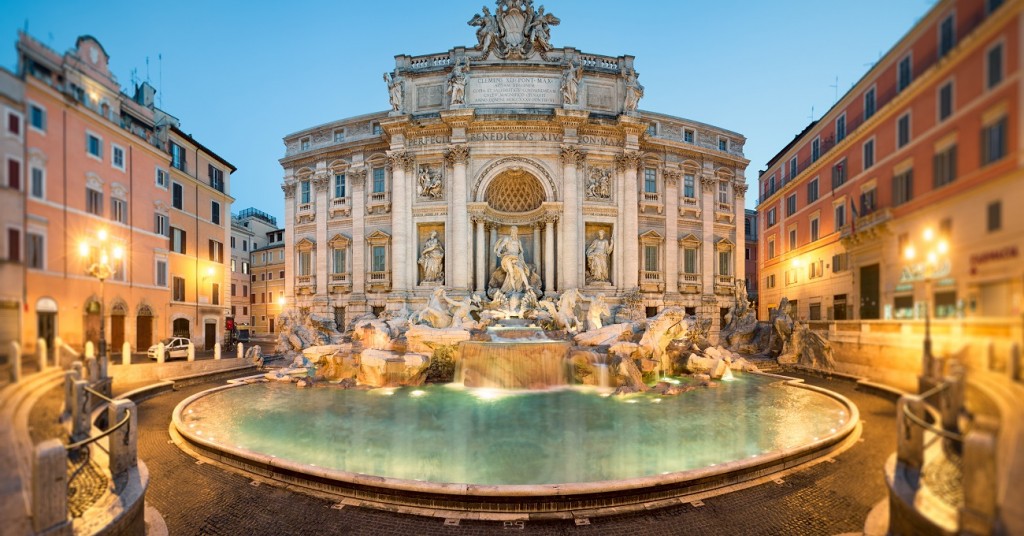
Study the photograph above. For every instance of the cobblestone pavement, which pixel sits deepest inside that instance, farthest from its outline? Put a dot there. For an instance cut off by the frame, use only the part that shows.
(828, 498)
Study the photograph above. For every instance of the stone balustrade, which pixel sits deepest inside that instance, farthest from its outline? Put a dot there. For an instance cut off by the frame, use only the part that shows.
(341, 205)
(379, 280)
(651, 200)
(652, 281)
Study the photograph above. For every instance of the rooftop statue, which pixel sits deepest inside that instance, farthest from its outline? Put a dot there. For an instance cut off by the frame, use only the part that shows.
(514, 31)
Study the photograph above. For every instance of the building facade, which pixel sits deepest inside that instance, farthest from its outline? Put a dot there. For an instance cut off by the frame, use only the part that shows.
(513, 136)
(14, 252)
(102, 163)
(922, 154)
(750, 254)
(268, 283)
(250, 230)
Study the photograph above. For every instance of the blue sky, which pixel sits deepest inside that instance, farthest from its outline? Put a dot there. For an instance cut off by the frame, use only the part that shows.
(241, 75)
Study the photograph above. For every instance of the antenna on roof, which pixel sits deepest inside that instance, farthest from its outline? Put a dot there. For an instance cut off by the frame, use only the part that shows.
(147, 68)
(812, 113)
(135, 77)
(160, 69)
(836, 87)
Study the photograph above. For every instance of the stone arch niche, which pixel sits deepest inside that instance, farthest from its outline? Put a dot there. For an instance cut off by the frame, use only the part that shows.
(514, 191)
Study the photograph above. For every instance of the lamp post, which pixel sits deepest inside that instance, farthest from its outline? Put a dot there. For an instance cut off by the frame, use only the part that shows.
(99, 256)
(933, 251)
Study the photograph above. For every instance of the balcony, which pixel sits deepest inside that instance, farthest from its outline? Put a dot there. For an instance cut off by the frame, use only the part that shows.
(724, 212)
(724, 285)
(689, 207)
(340, 283)
(867, 226)
(690, 283)
(378, 281)
(651, 199)
(305, 212)
(651, 281)
(378, 203)
(305, 284)
(341, 205)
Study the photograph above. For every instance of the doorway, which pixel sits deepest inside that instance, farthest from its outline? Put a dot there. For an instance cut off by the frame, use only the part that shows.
(869, 292)
(116, 332)
(143, 332)
(210, 334)
(271, 325)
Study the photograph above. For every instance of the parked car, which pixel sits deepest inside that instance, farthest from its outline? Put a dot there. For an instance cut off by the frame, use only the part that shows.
(173, 347)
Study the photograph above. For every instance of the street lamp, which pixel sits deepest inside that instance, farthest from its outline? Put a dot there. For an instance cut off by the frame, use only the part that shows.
(99, 256)
(933, 251)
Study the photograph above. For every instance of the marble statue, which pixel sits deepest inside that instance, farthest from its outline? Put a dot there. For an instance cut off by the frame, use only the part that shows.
(598, 254)
(599, 184)
(598, 310)
(539, 29)
(430, 185)
(432, 260)
(563, 315)
(634, 91)
(461, 310)
(457, 82)
(510, 250)
(487, 35)
(394, 83)
(571, 83)
(435, 313)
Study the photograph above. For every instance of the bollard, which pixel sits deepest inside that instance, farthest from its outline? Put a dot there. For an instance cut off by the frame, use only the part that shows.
(80, 411)
(123, 441)
(216, 351)
(240, 351)
(70, 377)
(191, 351)
(126, 353)
(160, 353)
(90, 350)
(41, 353)
(92, 369)
(49, 487)
(15, 362)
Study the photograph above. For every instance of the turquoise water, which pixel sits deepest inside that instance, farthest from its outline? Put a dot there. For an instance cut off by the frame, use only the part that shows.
(449, 434)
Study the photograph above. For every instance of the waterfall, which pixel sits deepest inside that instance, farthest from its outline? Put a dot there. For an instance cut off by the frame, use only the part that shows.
(512, 365)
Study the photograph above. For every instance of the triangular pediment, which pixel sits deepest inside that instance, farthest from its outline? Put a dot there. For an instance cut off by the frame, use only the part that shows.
(339, 241)
(305, 244)
(725, 244)
(652, 236)
(690, 240)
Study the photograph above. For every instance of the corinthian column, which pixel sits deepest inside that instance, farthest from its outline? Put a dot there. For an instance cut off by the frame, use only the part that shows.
(399, 162)
(289, 238)
(357, 180)
(322, 211)
(707, 250)
(671, 231)
(481, 254)
(572, 221)
(628, 163)
(458, 156)
(740, 189)
(549, 253)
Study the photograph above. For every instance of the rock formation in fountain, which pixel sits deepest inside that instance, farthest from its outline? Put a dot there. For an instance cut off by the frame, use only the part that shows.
(742, 332)
(793, 342)
(299, 329)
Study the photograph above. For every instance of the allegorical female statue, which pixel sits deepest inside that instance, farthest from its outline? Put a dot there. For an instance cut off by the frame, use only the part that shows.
(432, 260)
(598, 253)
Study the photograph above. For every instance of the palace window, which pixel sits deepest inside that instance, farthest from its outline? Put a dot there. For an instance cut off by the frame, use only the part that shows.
(839, 174)
(339, 261)
(771, 248)
(178, 240)
(117, 156)
(304, 144)
(305, 262)
(94, 146)
(840, 215)
(37, 183)
(793, 167)
(725, 262)
(869, 153)
(378, 180)
(216, 251)
(812, 190)
(37, 117)
(216, 177)
(945, 100)
(650, 180)
(215, 212)
(160, 224)
(993, 141)
(379, 259)
(162, 178)
(723, 144)
(903, 130)
(994, 216)
(690, 264)
(723, 192)
(688, 136)
(841, 128)
(304, 194)
(177, 196)
(791, 205)
(770, 220)
(868, 201)
(904, 73)
(869, 103)
(994, 66)
(947, 35)
(689, 186)
(119, 210)
(651, 258)
(339, 186)
(814, 229)
(792, 239)
(179, 289)
(177, 156)
(944, 166)
(94, 201)
(815, 149)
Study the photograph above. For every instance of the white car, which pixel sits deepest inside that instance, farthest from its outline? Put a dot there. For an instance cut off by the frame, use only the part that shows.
(173, 347)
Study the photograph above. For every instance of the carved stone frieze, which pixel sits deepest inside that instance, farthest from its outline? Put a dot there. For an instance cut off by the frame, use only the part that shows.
(430, 183)
(457, 154)
(599, 183)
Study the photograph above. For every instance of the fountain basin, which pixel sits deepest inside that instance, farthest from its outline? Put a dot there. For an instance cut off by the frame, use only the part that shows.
(446, 450)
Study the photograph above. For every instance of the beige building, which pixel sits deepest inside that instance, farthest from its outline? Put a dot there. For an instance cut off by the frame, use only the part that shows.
(250, 230)
(13, 250)
(268, 283)
(380, 209)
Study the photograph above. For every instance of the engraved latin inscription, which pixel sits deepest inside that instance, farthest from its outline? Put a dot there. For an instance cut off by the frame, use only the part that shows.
(514, 90)
(599, 97)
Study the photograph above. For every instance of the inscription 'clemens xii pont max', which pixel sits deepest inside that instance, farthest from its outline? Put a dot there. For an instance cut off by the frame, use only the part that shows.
(514, 90)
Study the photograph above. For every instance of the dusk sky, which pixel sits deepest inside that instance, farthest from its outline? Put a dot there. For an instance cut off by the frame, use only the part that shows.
(242, 75)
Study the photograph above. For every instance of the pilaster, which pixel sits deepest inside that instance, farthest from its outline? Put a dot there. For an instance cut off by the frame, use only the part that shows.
(627, 163)
(458, 157)
(321, 180)
(740, 192)
(288, 188)
(572, 221)
(399, 163)
(671, 231)
(357, 180)
(707, 250)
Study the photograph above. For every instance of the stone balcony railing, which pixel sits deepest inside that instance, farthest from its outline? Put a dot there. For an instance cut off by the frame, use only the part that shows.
(866, 222)
(688, 206)
(690, 283)
(305, 284)
(378, 202)
(379, 280)
(724, 284)
(724, 212)
(651, 281)
(341, 205)
(651, 199)
(305, 212)
(340, 282)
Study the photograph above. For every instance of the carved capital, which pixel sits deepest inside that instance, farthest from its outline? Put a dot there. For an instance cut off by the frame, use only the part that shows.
(457, 154)
(289, 190)
(401, 160)
(629, 160)
(321, 181)
(708, 181)
(672, 177)
(356, 176)
(573, 155)
(740, 189)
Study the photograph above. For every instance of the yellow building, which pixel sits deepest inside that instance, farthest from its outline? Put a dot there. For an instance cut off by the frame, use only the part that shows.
(268, 278)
